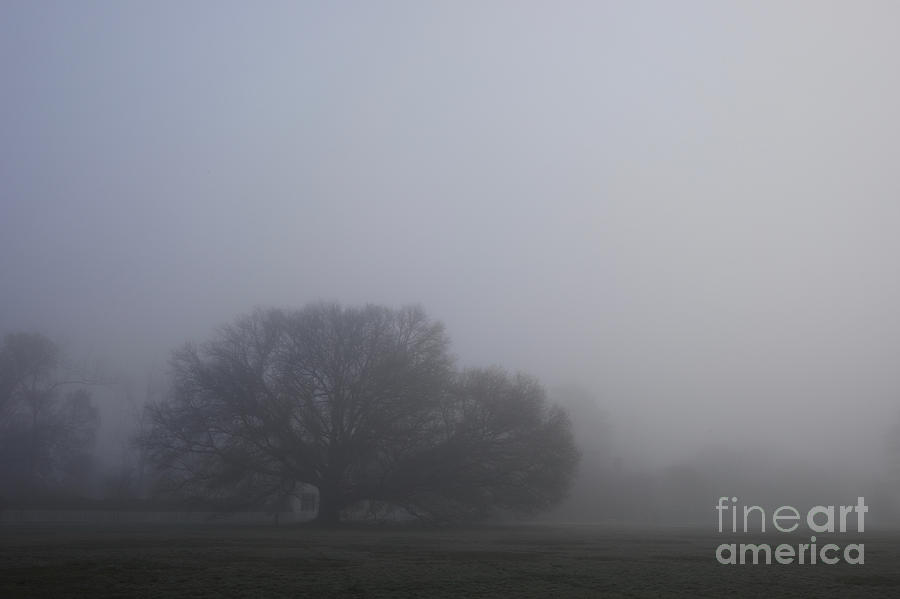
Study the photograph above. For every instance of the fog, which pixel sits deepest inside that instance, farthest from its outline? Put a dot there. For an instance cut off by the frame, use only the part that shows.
(685, 212)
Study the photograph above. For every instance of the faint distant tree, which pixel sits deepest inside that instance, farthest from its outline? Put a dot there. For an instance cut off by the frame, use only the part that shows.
(365, 405)
(596, 485)
(892, 440)
(47, 420)
(131, 478)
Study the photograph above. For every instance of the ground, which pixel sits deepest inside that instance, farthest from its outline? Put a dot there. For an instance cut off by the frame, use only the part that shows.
(522, 561)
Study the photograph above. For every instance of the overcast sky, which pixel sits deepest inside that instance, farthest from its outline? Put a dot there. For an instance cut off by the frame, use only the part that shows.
(689, 207)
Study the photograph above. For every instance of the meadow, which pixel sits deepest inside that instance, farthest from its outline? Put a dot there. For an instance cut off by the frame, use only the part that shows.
(217, 560)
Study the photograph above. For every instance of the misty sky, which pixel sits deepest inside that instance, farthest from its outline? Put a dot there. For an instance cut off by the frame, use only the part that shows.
(690, 208)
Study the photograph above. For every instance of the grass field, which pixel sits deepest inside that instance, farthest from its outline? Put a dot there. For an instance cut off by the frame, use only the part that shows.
(527, 561)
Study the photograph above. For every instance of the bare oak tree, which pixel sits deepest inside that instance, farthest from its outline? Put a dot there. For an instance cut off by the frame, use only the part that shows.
(364, 404)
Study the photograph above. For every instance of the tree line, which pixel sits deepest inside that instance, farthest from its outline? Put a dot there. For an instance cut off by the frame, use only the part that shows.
(364, 404)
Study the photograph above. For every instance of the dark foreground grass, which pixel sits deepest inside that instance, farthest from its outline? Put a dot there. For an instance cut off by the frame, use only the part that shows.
(535, 561)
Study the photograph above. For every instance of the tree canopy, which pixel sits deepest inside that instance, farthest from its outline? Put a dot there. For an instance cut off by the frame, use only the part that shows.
(47, 421)
(365, 404)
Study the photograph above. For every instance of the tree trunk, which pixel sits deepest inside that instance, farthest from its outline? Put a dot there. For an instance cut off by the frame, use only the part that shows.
(329, 513)
(331, 501)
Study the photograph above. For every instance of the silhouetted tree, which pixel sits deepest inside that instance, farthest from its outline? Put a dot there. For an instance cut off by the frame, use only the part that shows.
(45, 433)
(365, 405)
